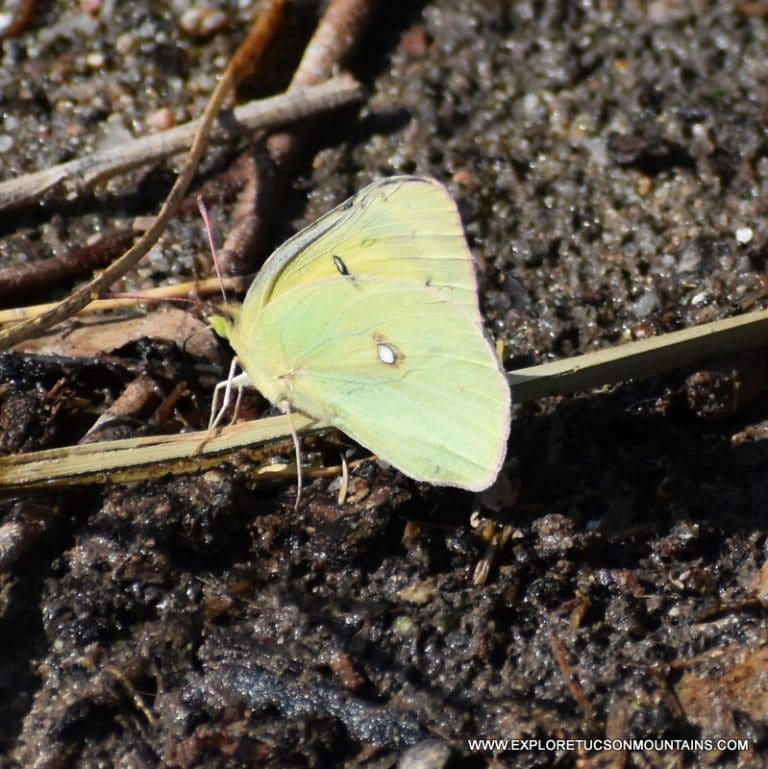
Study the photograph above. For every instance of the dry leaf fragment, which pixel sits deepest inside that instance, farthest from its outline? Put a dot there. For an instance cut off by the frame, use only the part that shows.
(94, 336)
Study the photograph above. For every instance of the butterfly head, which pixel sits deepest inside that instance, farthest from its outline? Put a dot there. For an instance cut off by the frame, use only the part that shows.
(223, 321)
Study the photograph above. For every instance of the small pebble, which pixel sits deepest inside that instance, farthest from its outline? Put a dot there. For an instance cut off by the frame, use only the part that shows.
(466, 178)
(690, 258)
(429, 754)
(126, 43)
(95, 59)
(414, 42)
(202, 21)
(161, 119)
(644, 186)
(646, 304)
(92, 7)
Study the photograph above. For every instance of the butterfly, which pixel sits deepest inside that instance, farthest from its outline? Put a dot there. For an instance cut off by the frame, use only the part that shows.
(368, 320)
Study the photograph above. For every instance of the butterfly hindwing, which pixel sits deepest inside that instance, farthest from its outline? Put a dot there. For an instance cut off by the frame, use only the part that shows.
(397, 365)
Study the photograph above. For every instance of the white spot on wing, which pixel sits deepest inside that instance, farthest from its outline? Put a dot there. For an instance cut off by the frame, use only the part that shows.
(386, 354)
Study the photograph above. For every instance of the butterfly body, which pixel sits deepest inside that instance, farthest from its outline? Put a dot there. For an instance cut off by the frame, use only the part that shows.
(369, 320)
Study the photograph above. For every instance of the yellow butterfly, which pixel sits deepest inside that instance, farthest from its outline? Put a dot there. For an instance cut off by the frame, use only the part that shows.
(368, 320)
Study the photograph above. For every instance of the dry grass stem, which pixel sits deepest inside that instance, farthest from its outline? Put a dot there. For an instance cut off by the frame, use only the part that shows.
(190, 289)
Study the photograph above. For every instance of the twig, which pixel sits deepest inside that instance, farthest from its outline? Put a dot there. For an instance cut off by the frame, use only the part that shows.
(753, 9)
(574, 687)
(81, 297)
(21, 280)
(81, 173)
(175, 291)
(241, 245)
(333, 41)
(25, 12)
(336, 36)
(132, 691)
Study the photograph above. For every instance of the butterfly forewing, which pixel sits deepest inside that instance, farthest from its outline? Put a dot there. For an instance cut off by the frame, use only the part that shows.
(405, 228)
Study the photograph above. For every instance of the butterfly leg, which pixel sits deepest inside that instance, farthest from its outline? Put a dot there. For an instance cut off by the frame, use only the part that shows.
(220, 403)
(232, 382)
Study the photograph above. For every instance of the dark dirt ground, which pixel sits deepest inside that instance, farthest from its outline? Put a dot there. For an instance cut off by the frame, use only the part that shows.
(611, 165)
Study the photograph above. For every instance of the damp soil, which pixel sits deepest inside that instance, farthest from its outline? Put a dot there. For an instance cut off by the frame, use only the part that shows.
(611, 166)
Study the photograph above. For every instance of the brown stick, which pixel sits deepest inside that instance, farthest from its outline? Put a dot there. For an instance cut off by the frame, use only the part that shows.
(234, 254)
(333, 41)
(21, 280)
(574, 687)
(21, 19)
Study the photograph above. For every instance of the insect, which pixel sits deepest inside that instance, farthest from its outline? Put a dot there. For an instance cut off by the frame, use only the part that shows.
(369, 320)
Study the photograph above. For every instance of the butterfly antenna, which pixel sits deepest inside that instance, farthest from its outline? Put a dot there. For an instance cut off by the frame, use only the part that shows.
(211, 244)
(286, 407)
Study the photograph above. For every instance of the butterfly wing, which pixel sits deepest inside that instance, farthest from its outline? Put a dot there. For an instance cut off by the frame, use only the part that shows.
(404, 228)
(395, 364)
